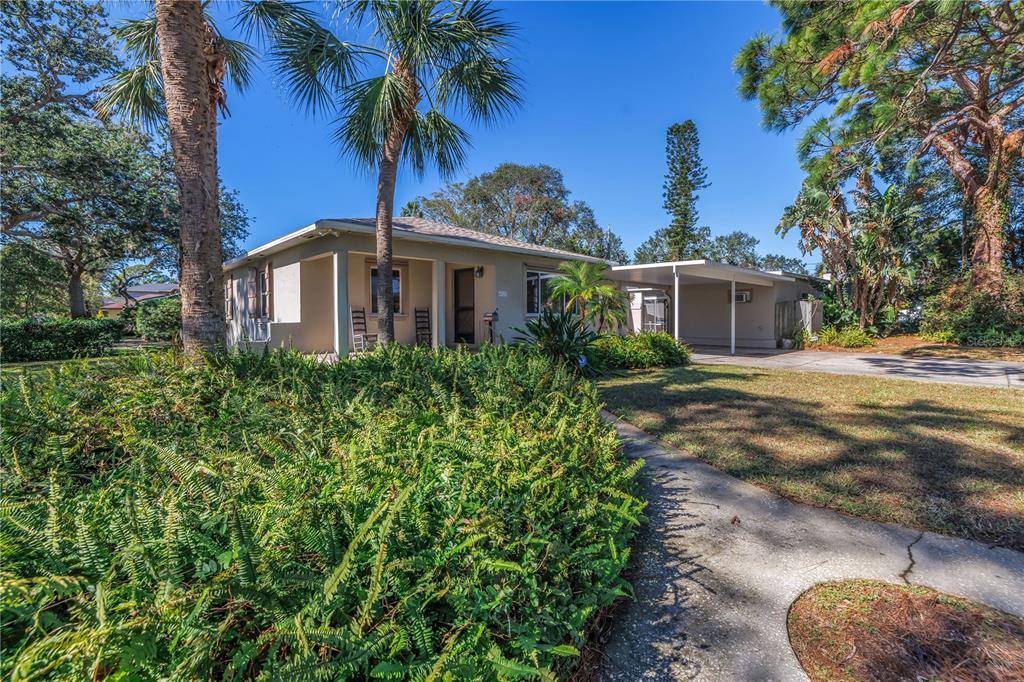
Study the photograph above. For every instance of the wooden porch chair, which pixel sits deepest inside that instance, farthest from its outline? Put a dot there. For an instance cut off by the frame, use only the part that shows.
(424, 337)
(361, 341)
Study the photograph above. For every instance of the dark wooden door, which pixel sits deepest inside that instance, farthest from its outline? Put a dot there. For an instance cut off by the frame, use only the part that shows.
(465, 322)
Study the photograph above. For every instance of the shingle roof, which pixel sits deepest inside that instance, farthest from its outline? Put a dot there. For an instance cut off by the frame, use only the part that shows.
(429, 227)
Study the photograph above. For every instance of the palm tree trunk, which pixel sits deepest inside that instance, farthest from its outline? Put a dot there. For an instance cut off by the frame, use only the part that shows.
(191, 122)
(386, 180)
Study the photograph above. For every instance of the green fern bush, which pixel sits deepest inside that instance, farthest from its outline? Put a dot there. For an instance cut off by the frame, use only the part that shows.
(639, 351)
(405, 515)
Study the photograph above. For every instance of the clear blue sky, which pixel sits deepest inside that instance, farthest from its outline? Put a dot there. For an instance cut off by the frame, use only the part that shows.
(602, 83)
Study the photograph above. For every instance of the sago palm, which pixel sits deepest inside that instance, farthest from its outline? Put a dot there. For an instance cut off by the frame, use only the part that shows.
(393, 95)
(585, 288)
(179, 66)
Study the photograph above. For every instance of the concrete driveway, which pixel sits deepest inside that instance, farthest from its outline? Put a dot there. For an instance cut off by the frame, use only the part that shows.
(941, 370)
(720, 561)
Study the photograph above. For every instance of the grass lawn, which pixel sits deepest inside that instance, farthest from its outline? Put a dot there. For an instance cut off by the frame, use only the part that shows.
(939, 457)
(913, 346)
(12, 369)
(867, 630)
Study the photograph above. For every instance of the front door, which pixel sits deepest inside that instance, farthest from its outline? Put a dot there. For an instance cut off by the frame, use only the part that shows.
(465, 322)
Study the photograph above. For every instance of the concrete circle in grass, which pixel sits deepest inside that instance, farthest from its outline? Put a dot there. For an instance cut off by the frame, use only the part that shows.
(860, 630)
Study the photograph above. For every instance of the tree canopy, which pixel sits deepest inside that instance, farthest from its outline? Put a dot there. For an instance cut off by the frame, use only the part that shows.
(528, 203)
(946, 78)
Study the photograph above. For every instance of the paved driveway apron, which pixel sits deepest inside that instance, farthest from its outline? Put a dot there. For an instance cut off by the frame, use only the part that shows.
(720, 562)
(937, 370)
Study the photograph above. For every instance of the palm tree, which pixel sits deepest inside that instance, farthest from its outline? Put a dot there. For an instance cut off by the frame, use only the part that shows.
(393, 95)
(585, 289)
(180, 63)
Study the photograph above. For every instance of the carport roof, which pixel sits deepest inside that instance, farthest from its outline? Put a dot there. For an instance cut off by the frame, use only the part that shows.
(694, 272)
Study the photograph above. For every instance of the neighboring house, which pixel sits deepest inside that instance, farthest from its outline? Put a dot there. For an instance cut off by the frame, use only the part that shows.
(312, 290)
(112, 307)
(719, 304)
(304, 290)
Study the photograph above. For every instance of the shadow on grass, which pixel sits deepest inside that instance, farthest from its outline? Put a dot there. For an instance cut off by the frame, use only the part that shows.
(920, 463)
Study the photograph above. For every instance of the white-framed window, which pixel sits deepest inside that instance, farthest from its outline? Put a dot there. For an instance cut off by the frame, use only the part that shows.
(229, 298)
(538, 292)
(742, 296)
(396, 290)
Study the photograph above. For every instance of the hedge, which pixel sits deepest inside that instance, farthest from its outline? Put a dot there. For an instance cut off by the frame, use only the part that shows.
(406, 514)
(965, 315)
(27, 340)
(638, 351)
(159, 320)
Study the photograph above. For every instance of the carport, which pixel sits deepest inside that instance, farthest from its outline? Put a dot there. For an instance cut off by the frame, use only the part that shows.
(673, 278)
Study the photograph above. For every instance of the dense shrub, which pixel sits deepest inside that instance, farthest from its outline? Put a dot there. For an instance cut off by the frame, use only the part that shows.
(402, 515)
(964, 315)
(159, 320)
(845, 337)
(561, 336)
(637, 351)
(28, 340)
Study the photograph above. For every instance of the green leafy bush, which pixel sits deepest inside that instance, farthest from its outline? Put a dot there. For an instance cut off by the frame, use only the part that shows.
(159, 320)
(29, 340)
(561, 336)
(637, 351)
(962, 314)
(846, 337)
(406, 514)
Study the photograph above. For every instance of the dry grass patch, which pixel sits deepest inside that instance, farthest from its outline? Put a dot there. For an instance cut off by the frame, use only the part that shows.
(940, 457)
(864, 630)
(913, 346)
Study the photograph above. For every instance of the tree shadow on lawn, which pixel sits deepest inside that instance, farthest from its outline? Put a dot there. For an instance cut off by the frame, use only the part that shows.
(918, 463)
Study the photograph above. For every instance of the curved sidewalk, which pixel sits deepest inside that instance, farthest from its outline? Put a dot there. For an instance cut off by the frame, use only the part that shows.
(720, 561)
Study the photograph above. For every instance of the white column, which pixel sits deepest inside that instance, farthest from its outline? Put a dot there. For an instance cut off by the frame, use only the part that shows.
(438, 332)
(732, 317)
(341, 312)
(675, 305)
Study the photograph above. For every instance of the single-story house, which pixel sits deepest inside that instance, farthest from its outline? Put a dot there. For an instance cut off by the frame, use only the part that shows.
(113, 307)
(312, 289)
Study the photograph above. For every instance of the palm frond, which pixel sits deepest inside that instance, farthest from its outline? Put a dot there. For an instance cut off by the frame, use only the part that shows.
(314, 63)
(434, 137)
(139, 38)
(369, 109)
(136, 93)
(241, 60)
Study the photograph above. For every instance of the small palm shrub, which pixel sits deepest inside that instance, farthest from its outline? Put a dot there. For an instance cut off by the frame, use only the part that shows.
(29, 340)
(969, 317)
(845, 337)
(407, 514)
(638, 351)
(158, 320)
(562, 336)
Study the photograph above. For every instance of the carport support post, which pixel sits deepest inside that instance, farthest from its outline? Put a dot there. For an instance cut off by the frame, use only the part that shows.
(675, 303)
(341, 314)
(732, 317)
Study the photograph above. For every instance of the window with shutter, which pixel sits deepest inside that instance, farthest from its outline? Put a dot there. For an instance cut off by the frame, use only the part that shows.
(250, 287)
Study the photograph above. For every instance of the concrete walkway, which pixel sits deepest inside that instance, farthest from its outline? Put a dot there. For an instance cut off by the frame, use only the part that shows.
(720, 562)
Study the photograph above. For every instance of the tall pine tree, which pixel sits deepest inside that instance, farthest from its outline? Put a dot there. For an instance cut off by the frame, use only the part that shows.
(685, 177)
